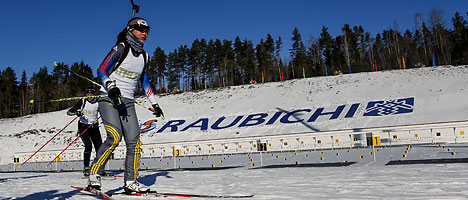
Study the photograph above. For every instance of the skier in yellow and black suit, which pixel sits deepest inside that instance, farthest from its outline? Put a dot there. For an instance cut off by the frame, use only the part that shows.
(87, 110)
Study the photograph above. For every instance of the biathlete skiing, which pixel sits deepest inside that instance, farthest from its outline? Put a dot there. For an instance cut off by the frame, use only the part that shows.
(125, 64)
(88, 126)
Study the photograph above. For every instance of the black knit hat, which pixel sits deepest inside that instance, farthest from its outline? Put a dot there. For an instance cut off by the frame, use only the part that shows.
(90, 90)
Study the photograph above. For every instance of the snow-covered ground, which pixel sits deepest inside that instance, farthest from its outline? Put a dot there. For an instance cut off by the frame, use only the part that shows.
(442, 181)
(439, 96)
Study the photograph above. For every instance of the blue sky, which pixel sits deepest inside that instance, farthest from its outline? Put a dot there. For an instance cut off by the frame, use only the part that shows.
(37, 33)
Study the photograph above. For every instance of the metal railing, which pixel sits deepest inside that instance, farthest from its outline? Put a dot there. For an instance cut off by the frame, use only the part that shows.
(429, 133)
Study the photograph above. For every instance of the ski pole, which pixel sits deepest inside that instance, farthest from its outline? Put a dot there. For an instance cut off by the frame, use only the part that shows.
(64, 99)
(150, 109)
(71, 143)
(97, 84)
(81, 76)
(49, 141)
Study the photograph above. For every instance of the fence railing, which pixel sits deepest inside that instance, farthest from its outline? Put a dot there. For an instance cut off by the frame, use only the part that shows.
(430, 133)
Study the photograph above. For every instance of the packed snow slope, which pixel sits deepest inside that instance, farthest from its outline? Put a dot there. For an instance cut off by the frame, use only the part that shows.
(351, 101)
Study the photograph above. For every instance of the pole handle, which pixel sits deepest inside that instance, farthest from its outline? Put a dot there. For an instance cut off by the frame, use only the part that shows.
(135, 8)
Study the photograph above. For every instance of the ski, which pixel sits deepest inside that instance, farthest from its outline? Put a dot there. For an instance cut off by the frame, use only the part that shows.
(94, 191)
(111, 177)
(159, 194)
(205, 196)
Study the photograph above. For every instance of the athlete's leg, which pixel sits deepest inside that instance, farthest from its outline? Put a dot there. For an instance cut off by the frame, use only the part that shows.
(96, 136)
(113, 126)
(87, 143)
(132, 141)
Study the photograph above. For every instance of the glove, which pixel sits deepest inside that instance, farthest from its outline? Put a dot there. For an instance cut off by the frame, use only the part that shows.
(157, 111)
(70, 113)
(114, 92)
(78, 113)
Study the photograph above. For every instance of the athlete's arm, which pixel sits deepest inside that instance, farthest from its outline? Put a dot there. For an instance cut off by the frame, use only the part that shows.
(145, 83)
(108, 65)
(77, 106)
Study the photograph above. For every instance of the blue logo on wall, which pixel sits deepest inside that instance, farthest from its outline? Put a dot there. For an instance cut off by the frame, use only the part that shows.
(306, 115)
(390, 107)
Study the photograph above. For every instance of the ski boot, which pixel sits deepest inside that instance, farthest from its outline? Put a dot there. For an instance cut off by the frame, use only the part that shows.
(94, 181)
(135, 187)
(86, 171)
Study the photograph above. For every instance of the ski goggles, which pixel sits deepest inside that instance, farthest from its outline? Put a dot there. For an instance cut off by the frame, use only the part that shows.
(141, 28)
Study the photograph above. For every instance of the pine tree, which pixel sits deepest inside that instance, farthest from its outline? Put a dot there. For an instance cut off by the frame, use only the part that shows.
(250, 59)
(269, 58)
(409, 49)
(443, 45)
(9, 104)
(157, 69)
(195, 63)
(460, 40)
(261, 55)
(182, 62)
(278, 62)
(420, 38)
(41, 84)
(379, 49)
(76, 84)
(298, 53)
(24, 95)
(209, 63)
(326, 45)
(347, 46)
(239, 54)
(314, 58)
(218, 62)
(60, 76)
(227, 63)
(203, 61)
(173, 71)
